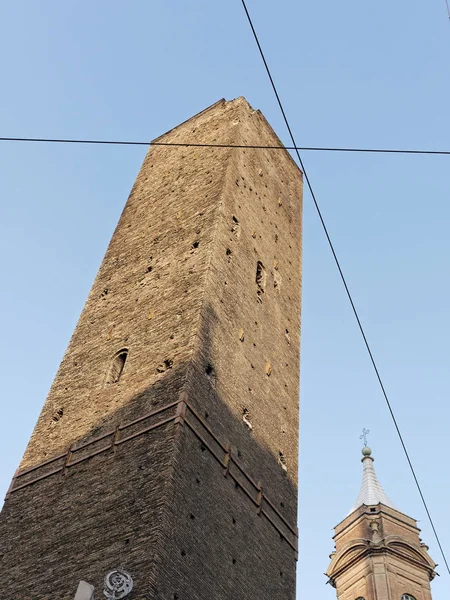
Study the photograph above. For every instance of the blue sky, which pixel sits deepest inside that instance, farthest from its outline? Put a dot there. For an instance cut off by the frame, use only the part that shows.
(351, 73)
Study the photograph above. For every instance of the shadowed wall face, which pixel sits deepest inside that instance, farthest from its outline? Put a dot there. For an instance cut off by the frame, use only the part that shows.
(173, 419)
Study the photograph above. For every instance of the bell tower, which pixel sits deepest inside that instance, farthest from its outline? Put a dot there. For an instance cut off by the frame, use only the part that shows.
(378, 552)
(163, 465)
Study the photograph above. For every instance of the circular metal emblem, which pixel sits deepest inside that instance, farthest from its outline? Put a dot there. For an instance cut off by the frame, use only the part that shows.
(117, 584)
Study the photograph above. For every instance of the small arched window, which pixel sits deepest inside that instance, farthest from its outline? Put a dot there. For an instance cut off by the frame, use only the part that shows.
(117, 366)
(360, 598)
(408, 597)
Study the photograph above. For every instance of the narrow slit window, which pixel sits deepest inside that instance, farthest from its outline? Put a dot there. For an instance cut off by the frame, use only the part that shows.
(260, 279)
(117, 366)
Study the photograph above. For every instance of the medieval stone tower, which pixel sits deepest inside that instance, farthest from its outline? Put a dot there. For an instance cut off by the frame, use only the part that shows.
(379, 555)
(167, 447)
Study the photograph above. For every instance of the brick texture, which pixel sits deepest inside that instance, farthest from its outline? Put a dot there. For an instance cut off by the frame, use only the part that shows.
(201, 286)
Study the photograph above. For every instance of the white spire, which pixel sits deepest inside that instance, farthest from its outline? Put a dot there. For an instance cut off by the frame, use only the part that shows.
(371, 492)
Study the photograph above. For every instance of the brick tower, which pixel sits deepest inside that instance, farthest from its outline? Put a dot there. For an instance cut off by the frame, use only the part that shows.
(379, 555)
(167, 447)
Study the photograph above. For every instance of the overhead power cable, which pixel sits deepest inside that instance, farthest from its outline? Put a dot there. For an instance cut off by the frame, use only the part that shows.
(243, 146)
(350, 298)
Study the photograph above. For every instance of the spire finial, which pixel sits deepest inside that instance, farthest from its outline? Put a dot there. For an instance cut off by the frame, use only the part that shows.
(366, 450)
(364, 435)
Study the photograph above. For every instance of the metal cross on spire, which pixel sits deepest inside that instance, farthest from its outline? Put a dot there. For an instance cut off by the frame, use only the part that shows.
(364, 435)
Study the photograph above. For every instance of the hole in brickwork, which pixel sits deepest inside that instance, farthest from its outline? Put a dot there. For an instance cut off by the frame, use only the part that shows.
(277, 281)
(192, 517)
(235, 227)
(282, 461)
(183, 553)
(234, 561)
(164, 366)
(206, 415)
(175, 597)
(202, 447)
(150, 266)
(234, 521)
(246, 418)
(58, 414)
(104, 293)
(236, 485)
(228, 253)
(127, 541)
(282, 504)
(195, 245)
(239, 454)
(288, 337)
(260, 279)
(117, 367)
(281, 573)
(211, 374)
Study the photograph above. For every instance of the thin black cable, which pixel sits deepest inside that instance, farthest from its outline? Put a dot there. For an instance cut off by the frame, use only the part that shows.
(345, 285)
(198, 145)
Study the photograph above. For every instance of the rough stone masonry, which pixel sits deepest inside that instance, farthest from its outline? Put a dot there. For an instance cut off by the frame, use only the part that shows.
(168, 443)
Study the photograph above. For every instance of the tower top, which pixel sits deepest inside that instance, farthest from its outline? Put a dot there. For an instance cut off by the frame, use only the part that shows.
(371, 492)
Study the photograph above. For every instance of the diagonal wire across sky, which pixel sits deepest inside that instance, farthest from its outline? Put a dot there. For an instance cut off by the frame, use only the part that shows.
(212, 145)
(343, 279)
